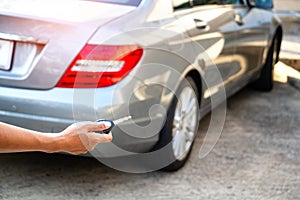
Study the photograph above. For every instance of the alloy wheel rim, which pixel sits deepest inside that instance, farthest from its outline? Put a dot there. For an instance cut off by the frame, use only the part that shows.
(184, 123)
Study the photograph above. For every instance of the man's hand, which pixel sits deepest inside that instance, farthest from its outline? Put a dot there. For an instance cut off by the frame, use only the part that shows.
(79, 138)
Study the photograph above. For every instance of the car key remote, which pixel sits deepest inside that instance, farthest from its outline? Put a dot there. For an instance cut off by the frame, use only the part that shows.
(113, 123)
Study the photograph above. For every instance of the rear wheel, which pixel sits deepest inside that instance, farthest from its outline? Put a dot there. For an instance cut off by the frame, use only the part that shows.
(265, 81)
(180, 129)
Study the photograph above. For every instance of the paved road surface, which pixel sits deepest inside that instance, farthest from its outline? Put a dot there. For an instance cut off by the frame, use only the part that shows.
(291, 5)
(257, 157)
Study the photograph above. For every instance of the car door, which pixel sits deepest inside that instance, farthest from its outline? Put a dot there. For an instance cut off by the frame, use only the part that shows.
(252, 31)
(210, 25)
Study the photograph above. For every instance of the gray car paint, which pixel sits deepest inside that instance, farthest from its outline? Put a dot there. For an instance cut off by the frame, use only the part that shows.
(33, 101)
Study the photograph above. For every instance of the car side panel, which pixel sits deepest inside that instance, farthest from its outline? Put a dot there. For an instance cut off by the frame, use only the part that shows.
(252, 37)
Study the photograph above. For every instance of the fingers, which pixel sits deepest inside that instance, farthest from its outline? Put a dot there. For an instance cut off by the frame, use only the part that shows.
(89, 129)
(78, 152)
(82, 137)
(93, 140)
(100, 138)
(94, 126)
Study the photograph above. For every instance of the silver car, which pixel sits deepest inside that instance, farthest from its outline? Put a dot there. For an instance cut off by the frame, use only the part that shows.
(163, 62)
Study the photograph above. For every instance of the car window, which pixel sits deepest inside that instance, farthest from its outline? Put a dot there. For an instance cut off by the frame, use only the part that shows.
(204, 2)
(264, 4)
(122, 2)
(232, 2)
(214, 2)
(181, 4)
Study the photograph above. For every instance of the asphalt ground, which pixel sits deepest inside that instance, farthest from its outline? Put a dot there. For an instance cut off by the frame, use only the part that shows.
(256, 157)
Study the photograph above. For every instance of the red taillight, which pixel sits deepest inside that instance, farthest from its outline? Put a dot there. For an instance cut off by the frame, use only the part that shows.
(100, 66)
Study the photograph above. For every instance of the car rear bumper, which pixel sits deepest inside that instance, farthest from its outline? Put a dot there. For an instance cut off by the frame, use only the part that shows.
(55, 109)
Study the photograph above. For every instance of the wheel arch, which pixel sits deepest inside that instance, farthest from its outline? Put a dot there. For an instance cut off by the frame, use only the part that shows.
(195, 75)
(278, 36)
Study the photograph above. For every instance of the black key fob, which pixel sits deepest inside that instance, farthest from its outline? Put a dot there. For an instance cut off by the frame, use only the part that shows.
(106, 131)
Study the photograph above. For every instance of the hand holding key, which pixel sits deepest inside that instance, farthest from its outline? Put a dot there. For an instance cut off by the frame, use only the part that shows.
(112, 123)
(77, 138)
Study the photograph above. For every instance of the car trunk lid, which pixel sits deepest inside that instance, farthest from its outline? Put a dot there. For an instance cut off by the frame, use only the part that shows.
(40, 39)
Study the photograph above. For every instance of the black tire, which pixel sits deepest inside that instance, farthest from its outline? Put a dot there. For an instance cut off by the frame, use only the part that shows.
(166, 136)
(265, 80)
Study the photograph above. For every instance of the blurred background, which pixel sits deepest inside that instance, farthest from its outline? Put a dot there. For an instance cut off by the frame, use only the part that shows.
(289, 13)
